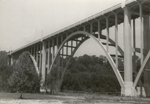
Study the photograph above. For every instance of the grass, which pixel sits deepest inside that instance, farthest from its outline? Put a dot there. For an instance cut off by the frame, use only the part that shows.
(73, 98)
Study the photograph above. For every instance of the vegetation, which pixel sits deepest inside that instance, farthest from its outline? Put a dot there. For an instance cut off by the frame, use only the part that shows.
(5, 71)
(51, 82)
(88, 74)
(24, 77)
(84, 73)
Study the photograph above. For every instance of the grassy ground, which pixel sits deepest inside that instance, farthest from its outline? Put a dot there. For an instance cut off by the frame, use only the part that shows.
(69, 98)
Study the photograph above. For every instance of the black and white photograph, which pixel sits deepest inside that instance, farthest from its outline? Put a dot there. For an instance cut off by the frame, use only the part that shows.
(74, 51)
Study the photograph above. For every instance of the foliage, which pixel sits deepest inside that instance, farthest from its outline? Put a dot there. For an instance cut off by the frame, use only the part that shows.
(24, 77)
(5, 71)
(93, 74)
(3, 60)
(90, 74)
(51, 81)
(86, 73)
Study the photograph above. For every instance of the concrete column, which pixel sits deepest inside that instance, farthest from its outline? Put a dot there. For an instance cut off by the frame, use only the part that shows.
(8, 61)
(58, 57)
(62, 50)
(40, 61)
(53, 45)
(31, 51)
(34, 52)
(50, 56)
(141, 33)
(43, 62)
(58, 43)
(146, 33)
(107, 37)
(67, 48)
(48, 61)
(37, 54)
(99, 30)
(58, 65)
(84, 28)
(71, 46)
(134, 42)
(58, 72)
(91, 28)
(116, 39)
(11, 60)
(128, 89)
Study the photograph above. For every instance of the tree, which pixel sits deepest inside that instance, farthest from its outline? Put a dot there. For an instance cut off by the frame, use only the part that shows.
(24, 77)
(51, 81)
(5, 71)
(90, 74)
(3, 60)
(87, 73)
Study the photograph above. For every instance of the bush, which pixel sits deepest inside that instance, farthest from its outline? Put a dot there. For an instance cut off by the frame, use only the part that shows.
(24, 77)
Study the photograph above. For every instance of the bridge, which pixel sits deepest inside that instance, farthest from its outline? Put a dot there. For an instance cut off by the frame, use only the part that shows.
(134, 18)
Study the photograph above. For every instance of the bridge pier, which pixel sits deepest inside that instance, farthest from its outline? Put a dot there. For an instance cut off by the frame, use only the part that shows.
(11, 60)
(146, 28)
(128, 89)
(58, 68)
(43, 63)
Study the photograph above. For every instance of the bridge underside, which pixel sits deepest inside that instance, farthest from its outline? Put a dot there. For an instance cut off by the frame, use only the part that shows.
(129, 21)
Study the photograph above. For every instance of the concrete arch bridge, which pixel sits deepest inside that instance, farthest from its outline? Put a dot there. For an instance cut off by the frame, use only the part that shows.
(131, 18)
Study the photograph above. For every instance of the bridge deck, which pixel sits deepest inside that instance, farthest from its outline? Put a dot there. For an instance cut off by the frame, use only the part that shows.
(101, 16)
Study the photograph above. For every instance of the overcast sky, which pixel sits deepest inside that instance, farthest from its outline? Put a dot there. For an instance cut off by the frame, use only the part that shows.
(22, 21)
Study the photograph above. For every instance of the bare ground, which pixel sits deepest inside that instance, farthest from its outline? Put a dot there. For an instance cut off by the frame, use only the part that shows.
(69, 98)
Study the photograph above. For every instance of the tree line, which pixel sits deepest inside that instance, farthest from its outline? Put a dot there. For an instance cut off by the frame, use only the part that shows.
(85, 73)
(88, 74)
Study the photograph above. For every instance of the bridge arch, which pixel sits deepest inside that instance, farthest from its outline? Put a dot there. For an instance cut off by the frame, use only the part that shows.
(117, 73)
(34, 63)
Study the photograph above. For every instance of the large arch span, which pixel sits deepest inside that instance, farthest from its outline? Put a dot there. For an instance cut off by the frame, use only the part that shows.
(86, 34)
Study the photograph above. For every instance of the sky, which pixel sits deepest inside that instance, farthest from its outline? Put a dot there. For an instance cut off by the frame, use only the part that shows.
(22, 21)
